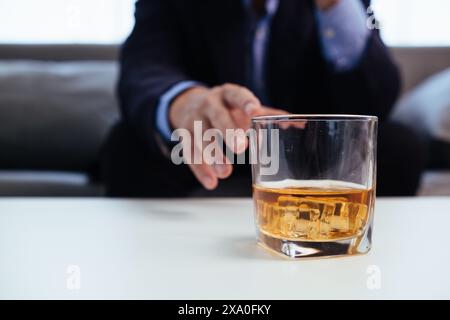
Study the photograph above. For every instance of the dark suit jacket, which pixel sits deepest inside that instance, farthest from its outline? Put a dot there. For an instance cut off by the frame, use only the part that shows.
(205, 40)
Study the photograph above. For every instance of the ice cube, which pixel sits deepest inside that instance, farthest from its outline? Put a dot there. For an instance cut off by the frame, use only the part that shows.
(288, 220)
(349, 218)
(311, 214)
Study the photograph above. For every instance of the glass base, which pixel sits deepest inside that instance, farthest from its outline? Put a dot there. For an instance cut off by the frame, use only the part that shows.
(311, 249)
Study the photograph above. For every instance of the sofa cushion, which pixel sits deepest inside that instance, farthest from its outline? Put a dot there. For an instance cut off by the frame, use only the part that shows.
(435, 183)
(427, 107)
(55, 115)
(47, 184)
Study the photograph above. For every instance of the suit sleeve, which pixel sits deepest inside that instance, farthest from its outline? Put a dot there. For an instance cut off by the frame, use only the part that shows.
(372, 86)
(150, 65)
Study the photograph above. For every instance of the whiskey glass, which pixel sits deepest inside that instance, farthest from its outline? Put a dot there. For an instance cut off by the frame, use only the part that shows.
(314, 179)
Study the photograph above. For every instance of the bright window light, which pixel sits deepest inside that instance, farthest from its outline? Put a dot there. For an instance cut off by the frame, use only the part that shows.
(403, 22)
(65, 21)
(414, 22)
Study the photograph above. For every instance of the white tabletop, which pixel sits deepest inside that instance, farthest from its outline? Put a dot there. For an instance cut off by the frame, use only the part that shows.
(205, 249)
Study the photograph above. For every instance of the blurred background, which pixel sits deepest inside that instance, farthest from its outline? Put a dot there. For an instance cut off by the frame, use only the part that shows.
(58, 72)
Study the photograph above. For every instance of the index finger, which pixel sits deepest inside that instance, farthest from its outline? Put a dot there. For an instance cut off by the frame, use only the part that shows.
(240, 97)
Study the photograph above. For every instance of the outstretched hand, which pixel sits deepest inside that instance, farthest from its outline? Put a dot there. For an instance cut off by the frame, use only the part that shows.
(223, 107)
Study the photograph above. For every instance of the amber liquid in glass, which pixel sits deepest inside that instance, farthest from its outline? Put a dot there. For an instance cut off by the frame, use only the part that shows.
(312, 210)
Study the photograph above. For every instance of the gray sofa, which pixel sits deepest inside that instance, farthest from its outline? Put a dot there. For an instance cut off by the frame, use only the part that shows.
(57, 103)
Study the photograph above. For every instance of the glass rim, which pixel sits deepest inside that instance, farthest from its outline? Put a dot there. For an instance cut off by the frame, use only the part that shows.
(315, 117)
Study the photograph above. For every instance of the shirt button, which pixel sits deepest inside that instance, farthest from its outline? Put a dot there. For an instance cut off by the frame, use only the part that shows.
(329, 33)
(260, 34)
(342, 62)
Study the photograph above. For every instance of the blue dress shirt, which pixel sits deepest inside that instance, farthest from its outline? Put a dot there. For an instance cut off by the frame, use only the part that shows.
(343, 33)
